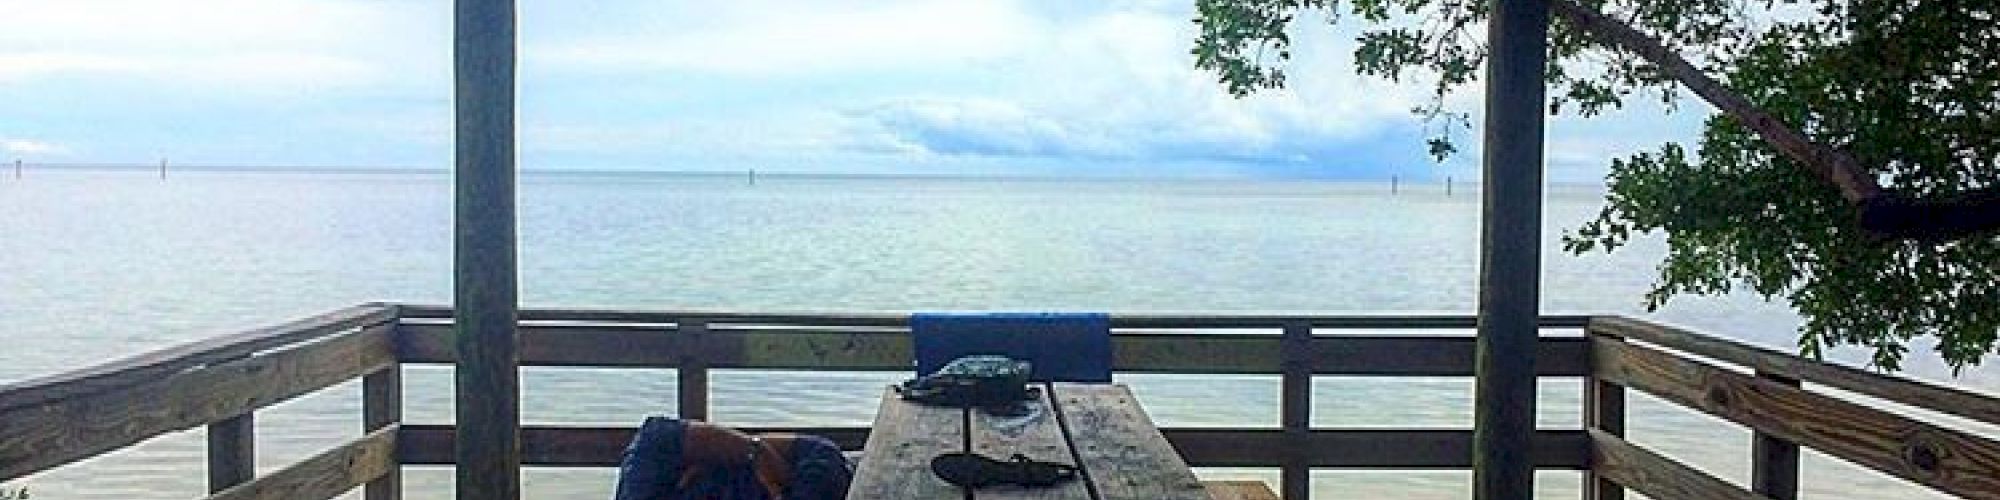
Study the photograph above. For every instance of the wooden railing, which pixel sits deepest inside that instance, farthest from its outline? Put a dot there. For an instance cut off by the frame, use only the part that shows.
(220, 384)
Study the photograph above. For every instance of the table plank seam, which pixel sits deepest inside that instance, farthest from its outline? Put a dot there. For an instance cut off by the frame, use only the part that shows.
(1069, 438)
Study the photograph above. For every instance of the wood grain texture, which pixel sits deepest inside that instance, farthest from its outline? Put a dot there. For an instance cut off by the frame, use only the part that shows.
(70, 429)
(1260, 320)
(1238, 490)
(1036, 435)
(325, 475)
(485, 265)
(1295, 411)
(1956, 401)
(1947, 460)
(691, 378)
(1603, 410)
(1510, 249)
(152, 366)
(1429, 449)
(232, 451)
(567, 446)
(1654, 475)
(381, 407)
(1406, 449)
(1120, 450)
(896, 461)
(1774, 462)
(657, 346)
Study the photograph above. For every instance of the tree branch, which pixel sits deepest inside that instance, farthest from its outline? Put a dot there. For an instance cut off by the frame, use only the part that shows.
(1831, 165)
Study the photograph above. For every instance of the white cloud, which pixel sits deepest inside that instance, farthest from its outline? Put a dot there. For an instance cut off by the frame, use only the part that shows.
(1121, 85)
(789, 38)
(30, 147)
(243, 43)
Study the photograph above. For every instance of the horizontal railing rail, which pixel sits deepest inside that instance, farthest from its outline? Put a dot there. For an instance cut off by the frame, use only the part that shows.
(221, 382)
(1766, 392)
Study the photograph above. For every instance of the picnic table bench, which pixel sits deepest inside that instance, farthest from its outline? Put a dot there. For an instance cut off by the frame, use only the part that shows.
(1098, 427)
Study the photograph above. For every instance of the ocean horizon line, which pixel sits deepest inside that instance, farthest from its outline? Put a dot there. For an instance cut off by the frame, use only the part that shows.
(760, 174)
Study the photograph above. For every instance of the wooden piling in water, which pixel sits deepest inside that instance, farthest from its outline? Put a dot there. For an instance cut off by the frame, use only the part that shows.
(487, 447)
(1510, 252)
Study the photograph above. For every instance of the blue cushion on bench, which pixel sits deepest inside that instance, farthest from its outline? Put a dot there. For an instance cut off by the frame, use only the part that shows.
(1064, 347)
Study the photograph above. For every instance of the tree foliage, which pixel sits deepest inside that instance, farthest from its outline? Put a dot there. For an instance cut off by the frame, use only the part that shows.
(1909, 88)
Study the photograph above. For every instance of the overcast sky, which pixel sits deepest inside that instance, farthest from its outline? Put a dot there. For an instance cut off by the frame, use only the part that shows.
(918, 86)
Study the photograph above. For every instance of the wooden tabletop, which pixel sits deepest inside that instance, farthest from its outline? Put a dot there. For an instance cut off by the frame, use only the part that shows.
(1099, 427)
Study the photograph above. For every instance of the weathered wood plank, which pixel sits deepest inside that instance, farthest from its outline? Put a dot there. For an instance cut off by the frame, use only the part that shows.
(1604, 410)
(1201, 447)
(381, 407)
(1238, 490)
(1945, 459)
(896, 462)
(151, 366)
(1952, 400)
(1510, 249)
(1434, 356)
(232, 451)
(691, 379)
(1262, 320)
(656, 346)
(1118, 447)
(1295, 410)
(324, 475)
(1654, 475)
(546, 446)
(1366, 448)
(1774, 462)
(1036, 435)
(485, 280)
(70, 429)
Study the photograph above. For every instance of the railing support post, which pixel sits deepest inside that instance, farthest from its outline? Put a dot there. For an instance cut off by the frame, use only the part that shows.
(1603, 409)
(692, 384)
(1510, 251)
(232, 451)
(1296, 411)
(382, 406)
(1774, 463)
(485, 285)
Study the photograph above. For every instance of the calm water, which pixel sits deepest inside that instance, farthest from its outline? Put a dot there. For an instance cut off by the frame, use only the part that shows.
(97, 265)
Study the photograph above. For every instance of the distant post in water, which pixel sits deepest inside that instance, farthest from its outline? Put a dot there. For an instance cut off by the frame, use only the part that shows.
(1510, 252)
(487, 446)
(163, 169)
(17, 168)
(1394, 183)
(1447, 185)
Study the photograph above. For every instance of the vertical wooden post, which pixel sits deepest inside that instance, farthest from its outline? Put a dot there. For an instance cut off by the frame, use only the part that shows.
(1510, 251)
(382, 406)
(485, 293)
(1295, 409)
(1603, 409)
(232, 451)
(692, 384)
(1774, 463)
(17, 168)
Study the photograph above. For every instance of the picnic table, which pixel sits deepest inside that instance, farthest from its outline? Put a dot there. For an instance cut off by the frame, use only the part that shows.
(1098, 427)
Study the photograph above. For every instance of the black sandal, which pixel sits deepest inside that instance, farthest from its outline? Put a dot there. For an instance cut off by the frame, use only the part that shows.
(976, 471)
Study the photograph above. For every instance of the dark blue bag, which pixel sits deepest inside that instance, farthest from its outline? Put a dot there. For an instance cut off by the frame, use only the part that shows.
(651, 470)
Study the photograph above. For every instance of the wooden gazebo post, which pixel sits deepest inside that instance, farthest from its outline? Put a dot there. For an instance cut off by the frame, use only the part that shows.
(484, 294)
(1510, 251)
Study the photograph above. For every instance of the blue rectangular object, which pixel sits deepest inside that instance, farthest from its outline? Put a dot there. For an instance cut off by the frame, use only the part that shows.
(1064, 347)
